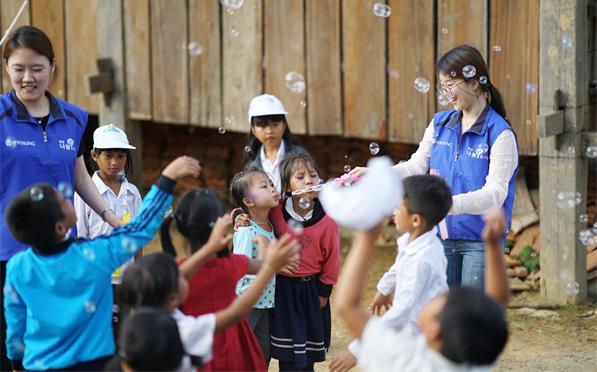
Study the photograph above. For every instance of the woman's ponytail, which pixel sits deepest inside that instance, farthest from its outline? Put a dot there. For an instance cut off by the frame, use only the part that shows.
(497, 103)
(165, 237)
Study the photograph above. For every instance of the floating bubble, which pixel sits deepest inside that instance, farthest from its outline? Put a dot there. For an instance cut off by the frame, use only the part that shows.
(382, 10)
(566, 42)
(18, 345)
(374, 148)
(533, 254)
(591, 152)
(129, 245)
(303, 104)
(36, 194)
(422, 85)
(232, 4)
(346, 168)
(248, 149)
(496, 48)
(506, 250)
(304, 203)
(194, 49)
(228, 120)
(568, 199)
(529, 122)
(531, 88)
(295, 82)
(469, 71)
(588, 236)
(572, 289)
(295, 226)
(571, 150)
(234, 32)
(221, 130)
(393, 73)
(443, 99)
(229, 11)
(89, 307)
(444, 30)
(483, 80)
(453, 74)
(89, 254)
(583, 218)
(411, 115)
(65, 190)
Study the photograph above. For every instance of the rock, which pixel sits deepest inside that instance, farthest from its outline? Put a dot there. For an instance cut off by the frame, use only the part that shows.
(542, 314)
(530, 236)
(521, 272)
(510, 262)
(517, 285)
(511, 272)
(591, 261)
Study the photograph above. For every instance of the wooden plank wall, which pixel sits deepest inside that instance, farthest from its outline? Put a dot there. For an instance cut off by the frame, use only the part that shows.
(358, 68)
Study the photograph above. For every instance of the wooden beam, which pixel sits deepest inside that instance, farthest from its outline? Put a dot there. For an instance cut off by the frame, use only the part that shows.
(550, 124)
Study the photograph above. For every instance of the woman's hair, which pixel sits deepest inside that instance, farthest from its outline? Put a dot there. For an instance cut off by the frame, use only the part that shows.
(128, 166)
(288, 165)
(239, 186)
(195, 215)
(452, 63)
(150, 281)
(150, 341)
(254, 143)
(32, 38)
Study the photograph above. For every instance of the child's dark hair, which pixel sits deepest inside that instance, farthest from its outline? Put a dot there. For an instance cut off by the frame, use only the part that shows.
(239, 186)
(474, 327)
(428, 196)
(262, 121)
(150, 341)
(452, 63)
(195, 215)
(150, 281)
(32, 215)
(128, 166)
(288, 165)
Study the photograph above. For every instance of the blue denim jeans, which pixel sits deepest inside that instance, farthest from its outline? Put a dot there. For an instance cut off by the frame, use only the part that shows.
(466, 263)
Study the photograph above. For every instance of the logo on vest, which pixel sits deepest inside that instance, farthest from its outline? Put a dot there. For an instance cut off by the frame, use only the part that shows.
(68, 145)
(481, 152)
(435, 141)
(13, 143)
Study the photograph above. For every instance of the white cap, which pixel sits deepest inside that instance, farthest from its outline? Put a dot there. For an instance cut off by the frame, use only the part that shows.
(110, 137)
(266, 104)
(365, 203)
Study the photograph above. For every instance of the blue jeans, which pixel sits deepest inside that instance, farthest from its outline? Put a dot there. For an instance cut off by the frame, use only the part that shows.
(466, 263)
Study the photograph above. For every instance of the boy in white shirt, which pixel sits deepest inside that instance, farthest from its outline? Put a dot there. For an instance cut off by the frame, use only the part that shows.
(419, 273)
(462, 330)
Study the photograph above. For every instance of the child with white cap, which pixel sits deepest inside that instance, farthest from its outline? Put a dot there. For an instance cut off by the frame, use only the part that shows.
(270, 139)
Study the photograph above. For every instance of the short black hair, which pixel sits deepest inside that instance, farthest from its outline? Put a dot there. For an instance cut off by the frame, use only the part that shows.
(254, 144)
(239, 186)
(289, 163)
(429, 196)
(150, 341)
(474, 327)
(32, 216)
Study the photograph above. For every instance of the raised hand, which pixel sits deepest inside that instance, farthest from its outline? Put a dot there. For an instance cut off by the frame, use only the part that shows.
(183, 166)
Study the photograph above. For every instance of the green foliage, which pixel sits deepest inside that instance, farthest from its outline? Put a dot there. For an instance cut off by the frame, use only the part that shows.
(528, 258)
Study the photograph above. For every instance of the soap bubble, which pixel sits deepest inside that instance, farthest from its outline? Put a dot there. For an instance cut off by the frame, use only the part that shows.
(568, 199)
(229, 11)
(529, 122)
(346, 168)
(566, 42)
(572, 288)
(531, 88)
(374, 148)
(36, 194)
(483, 80)
(89, 307)
(304, 203)
(382, 10)
(588, 236)
(228, 120)
(393, 73)
(248, 149)
(303, 104)
(583, 218)
(65, 190)
(295, 82)
(232, 4)
(469, 71)
(533, 254)
(443, 99)
(129, 245)
(194, 49)
(234, 32)
(295, 226)
(444, 30)
(591, 152)
(17, 344)
(497, 48)
(453, 74)
(221, 130)
(422, 85)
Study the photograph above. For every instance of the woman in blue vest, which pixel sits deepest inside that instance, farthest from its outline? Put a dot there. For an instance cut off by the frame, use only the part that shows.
(40, 138)
(473, 147)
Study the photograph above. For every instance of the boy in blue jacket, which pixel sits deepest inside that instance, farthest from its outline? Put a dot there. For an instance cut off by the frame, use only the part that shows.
(58, 294)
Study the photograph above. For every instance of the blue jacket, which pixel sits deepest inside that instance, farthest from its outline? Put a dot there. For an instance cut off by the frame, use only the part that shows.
(28, 155)
(58, 307)
(463, 161)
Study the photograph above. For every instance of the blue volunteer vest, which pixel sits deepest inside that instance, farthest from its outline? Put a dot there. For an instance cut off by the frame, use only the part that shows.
(463, 161)
(28, 156)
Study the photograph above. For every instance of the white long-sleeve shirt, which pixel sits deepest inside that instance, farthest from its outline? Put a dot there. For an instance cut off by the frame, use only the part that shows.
(503, 160)
(417, 276)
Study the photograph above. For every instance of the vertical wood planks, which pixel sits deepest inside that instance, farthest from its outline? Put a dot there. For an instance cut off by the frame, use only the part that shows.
(169, 62)
(242, 43)
(462, 22)
(205, 69)
(48, 15)
(283, 34)
(137, 51)
(515, 30)
(324, 84)
(81, 52)
(8, 10)
(410, 55)
(363, 48)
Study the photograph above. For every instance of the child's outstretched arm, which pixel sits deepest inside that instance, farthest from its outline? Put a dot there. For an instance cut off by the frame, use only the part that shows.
(279, 253)
(496, 280)
(352, 280)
